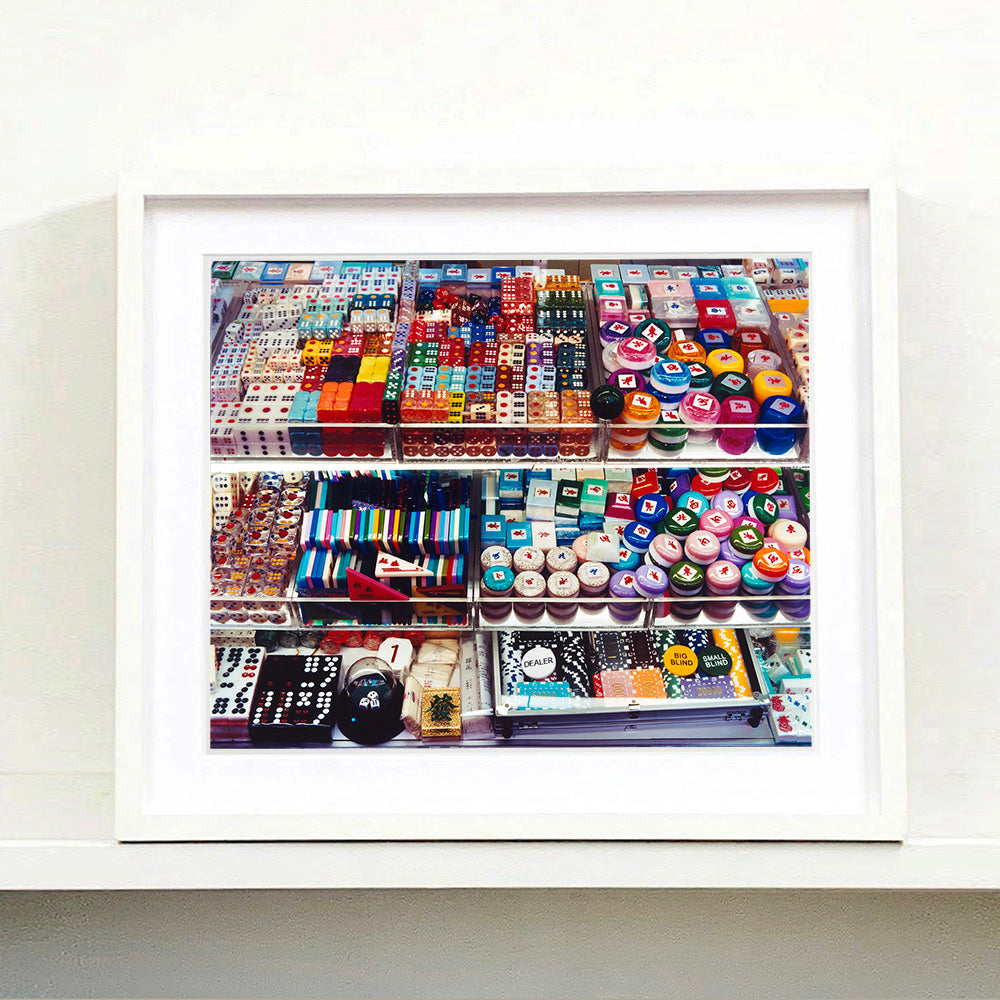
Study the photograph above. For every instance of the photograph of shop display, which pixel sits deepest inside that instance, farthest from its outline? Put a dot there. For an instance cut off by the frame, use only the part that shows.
(494, 503)
(418, 361)
(356, 607)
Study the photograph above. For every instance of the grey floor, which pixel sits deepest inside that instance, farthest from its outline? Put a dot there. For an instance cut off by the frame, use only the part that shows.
(499, 944)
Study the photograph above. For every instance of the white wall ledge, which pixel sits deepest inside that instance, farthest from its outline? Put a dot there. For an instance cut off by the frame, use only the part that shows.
(92, 864)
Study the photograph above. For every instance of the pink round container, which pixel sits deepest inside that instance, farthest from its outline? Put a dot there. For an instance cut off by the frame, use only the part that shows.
(701, 547)
(700, 412)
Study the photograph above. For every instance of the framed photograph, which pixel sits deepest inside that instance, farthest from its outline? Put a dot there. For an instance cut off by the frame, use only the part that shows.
(512, 507)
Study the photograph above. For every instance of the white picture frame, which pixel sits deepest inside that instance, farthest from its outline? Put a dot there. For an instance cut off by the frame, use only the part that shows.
(166, 786)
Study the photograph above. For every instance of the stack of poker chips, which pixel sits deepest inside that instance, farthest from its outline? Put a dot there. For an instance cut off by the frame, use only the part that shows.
(557, 660)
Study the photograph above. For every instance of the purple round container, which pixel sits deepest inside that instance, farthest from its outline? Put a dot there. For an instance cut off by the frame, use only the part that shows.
(622, 584)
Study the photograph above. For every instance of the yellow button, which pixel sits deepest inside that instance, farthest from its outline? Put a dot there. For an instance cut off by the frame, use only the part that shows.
(680, 660)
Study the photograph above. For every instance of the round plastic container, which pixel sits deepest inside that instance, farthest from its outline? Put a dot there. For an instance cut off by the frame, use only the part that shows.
(700, 412)
(737, 410)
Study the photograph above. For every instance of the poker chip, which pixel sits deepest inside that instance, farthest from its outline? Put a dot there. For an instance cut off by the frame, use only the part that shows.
(714, 661)
(681, 661)
(771, 564)
(723, 361)
(641, 409)
(538, 664)
(665, 550)
(498, 581)
(731, 384)
(738, 481)
(637, 353)
(701, 376)
(654, 330)
(723, 578)
(700, 411)
(762, 360)
(718, 522)
(563, 585)
(626, 381)
(797, 579)
(694, 501)
(622, 584)
(752, 580)
(529, 584)
(713, 474)
(594, 578)
(627, 559)
(614, 331)
(686, 579)
(768, 384)
(697, 638)
(670, 377)
(704, 487)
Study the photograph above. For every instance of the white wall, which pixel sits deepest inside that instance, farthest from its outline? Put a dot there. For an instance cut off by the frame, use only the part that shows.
(89, 88)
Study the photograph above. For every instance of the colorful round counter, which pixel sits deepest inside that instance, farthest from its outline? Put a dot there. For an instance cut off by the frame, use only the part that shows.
(724, 360)
(790, 535)
(636, 353)
(637, 536)
(665, 550)
(770, 383)
(594, 578)
(651, 508)
(495, 555)
(718, 522)
(561, 559)
(702, 548)
(651, 581)
(528, 559)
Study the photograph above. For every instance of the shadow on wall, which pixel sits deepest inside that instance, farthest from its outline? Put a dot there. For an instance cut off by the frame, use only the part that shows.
(57, 493)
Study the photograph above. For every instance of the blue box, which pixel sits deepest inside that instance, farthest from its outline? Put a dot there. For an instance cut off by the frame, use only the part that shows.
(518, 535)
(708, 288)
(274, 273)
(453, 274)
